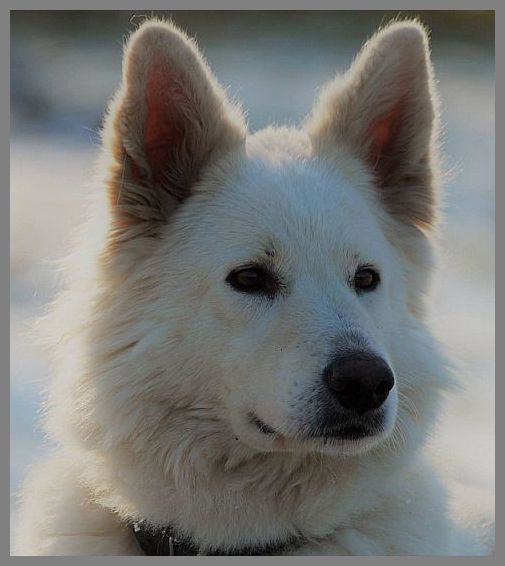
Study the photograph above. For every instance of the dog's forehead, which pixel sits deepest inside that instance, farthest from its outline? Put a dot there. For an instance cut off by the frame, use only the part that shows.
(298, 202)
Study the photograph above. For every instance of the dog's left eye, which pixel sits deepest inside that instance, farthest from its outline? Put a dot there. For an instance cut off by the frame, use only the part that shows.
(254, 279)
(366, 279)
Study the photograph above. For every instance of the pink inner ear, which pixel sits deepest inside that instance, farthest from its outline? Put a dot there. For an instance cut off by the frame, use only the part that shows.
(164, 128)
(384, 132)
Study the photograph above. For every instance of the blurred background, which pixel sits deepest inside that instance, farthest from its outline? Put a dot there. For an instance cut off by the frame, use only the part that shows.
(66, 64)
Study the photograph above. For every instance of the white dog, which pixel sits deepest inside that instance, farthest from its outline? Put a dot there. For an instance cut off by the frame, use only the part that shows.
(242, 364)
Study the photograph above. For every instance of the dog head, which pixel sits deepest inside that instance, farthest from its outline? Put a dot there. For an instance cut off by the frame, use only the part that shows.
(267, 289)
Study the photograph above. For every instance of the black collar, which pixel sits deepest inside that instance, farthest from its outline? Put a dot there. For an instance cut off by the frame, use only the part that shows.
(166, 541)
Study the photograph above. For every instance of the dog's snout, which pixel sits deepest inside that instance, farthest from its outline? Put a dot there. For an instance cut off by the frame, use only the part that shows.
(360, 382)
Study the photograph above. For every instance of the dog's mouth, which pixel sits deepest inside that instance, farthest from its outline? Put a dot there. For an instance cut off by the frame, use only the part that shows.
(346, 432)
(349, 431)
(261, 426)
(328, 431)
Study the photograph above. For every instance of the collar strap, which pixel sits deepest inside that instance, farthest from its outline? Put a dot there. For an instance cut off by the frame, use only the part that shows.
(166, 541)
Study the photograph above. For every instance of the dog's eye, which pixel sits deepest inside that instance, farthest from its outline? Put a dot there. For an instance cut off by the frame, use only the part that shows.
(254, 279)
(366, 279)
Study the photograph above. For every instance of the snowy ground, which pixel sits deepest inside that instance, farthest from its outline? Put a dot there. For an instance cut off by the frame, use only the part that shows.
(50, 175)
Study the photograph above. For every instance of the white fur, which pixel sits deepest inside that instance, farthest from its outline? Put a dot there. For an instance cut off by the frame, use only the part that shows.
(158, 361)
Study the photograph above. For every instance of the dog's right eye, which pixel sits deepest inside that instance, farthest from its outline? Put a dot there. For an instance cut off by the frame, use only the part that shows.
(254, 279)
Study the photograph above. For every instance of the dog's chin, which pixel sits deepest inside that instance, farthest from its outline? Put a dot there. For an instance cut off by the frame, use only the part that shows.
(342, 440)
(349, 441)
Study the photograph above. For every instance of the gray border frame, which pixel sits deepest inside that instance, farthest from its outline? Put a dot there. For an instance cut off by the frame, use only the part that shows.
(5, 9)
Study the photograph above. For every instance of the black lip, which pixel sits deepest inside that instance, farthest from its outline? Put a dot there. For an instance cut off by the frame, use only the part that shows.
(262, 426)
(346, 432)
(351, 433)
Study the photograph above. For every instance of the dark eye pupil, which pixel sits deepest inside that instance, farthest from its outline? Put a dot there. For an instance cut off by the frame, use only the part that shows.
(248, 278)
(366, 279)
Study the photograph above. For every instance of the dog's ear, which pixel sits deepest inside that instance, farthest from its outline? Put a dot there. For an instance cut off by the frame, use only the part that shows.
(169, 118)
(384, 111)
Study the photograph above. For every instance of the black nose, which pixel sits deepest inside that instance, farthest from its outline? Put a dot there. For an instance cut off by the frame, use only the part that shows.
(361, 382)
